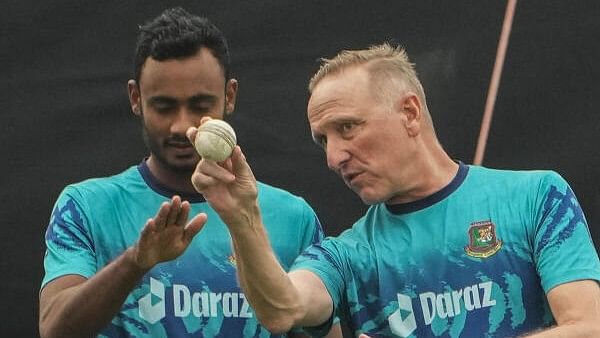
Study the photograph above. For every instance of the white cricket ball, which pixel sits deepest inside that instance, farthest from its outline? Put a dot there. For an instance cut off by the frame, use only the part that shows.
(215, 140)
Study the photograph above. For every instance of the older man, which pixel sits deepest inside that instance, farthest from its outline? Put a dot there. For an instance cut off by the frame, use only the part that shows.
(445, 249)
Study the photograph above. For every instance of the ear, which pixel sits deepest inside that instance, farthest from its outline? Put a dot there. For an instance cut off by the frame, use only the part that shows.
(410, 106)
(231, 88)
(135, 97)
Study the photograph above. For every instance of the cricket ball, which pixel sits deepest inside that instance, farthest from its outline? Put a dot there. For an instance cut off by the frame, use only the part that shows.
(215, 140)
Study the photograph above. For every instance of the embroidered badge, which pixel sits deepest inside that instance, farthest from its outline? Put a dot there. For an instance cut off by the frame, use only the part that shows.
(482, 240)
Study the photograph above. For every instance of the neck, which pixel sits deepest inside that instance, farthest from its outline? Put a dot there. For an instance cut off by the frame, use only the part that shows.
(431, 171)
(179, 181)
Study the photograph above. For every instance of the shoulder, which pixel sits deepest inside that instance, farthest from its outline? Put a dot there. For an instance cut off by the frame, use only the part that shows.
(95, 188)
(516, 179)
(511, 174)
(352, 249)
(360, 233)
(533, 191)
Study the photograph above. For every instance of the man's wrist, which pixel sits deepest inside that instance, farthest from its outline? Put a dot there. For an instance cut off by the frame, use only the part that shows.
(249, 219)
(132, 262)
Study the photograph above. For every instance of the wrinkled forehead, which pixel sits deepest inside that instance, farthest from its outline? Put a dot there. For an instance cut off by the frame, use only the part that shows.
(340, 86)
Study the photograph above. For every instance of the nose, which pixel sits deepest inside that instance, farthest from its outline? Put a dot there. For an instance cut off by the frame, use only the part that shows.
(182, 121)
(337, 154)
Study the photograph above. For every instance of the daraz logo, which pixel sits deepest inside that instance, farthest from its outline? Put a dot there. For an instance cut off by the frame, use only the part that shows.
(152, 305)
(443, 305)
(402, 322)
(186, 303)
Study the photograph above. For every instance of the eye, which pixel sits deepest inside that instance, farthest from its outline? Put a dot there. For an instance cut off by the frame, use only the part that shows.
(164, 107)
(200, 108)
(202, 104)
(347, 129)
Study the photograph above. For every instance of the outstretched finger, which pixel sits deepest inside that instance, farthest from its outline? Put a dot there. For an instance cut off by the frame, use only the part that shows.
(174, 212)
(148, 228)
(194, 227)
(183, 213)
(161, 216)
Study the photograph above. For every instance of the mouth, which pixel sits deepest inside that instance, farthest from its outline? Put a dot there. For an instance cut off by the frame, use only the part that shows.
(351, 178)
(179, 145)
(181, 148)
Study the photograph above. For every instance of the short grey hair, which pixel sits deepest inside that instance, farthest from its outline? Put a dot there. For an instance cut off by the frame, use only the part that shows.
(386, 64)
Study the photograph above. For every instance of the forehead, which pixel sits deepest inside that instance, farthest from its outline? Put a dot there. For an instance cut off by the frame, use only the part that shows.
(345, 90)
(200, 72)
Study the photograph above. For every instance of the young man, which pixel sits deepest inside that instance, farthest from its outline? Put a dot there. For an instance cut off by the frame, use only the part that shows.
(446, 249)
(122, 259)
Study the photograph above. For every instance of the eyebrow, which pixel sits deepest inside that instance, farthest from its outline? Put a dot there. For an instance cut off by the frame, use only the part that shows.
(195, 99)
(202, 98)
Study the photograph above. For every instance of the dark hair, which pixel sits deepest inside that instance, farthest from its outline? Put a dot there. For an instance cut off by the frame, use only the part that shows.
(175, 34)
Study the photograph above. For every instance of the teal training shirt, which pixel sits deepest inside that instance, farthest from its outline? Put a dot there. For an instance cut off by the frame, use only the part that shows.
(195, 295)
(475, 259)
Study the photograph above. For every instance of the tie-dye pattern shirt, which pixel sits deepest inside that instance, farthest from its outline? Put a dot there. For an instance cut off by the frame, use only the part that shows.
(195, 295)
(475, 259)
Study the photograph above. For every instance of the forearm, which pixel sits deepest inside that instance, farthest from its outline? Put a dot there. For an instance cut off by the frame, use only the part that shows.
(576, 308)
(273, 296)
(84, 309)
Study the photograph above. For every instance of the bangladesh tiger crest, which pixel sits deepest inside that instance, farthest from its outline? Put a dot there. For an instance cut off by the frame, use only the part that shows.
(483, 242)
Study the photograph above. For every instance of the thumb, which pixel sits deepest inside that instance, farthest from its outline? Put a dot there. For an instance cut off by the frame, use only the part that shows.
(194, 226)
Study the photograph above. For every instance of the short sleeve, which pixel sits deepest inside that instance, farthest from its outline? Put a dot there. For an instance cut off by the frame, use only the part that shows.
(563, 247)
(313, 233)
(69, 247)
(325, 260)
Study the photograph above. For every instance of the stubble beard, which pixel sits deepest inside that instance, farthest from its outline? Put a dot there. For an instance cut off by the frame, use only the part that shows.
(156, 147)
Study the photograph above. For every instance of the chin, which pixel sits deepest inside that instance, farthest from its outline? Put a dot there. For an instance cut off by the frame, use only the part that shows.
(183, 164)
(370, 199)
